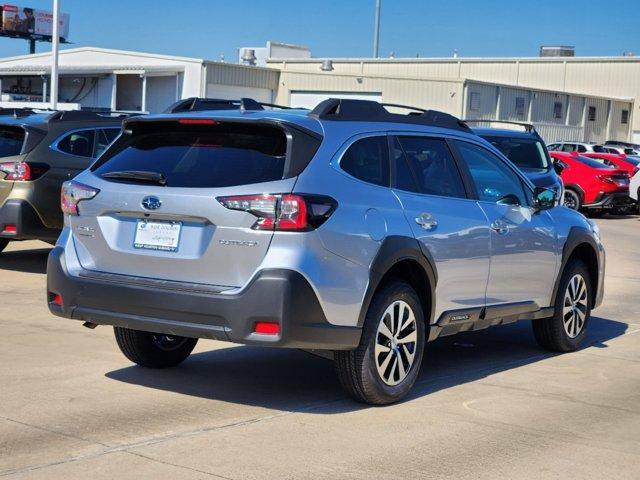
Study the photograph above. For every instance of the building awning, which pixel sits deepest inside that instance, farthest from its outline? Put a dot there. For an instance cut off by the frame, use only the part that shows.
(35, 70)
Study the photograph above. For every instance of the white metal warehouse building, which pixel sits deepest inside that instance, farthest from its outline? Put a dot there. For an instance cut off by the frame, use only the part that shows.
(608, 83)
(128, 81)
(565, 98)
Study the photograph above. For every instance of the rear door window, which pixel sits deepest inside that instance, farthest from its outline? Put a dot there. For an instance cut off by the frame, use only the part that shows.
(200, 156)
(367, 159)
(78, 143)
(432, 166)
(11, 140)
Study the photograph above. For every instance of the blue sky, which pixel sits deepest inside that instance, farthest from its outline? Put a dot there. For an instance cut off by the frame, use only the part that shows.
(334, 28)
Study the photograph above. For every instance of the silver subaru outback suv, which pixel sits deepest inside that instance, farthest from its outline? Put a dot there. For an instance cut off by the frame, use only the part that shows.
(347, 229)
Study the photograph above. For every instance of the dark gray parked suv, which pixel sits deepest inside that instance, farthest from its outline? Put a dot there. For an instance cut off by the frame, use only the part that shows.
(39, 151)
(347, 229)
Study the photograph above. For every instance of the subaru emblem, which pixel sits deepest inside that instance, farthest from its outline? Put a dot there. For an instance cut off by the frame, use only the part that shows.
(151, 203)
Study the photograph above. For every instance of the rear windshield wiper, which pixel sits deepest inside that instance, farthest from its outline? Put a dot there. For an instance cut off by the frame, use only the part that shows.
(137, 175)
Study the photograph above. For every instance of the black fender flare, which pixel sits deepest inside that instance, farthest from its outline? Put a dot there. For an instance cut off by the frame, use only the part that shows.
(577, 236)
(393, 250)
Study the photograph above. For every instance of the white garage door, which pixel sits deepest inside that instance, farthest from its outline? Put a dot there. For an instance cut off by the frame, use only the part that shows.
(311, 99)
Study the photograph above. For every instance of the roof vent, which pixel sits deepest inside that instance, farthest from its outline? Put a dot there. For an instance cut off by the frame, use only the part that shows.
(327, 65)
(557, 51)
(249, 56)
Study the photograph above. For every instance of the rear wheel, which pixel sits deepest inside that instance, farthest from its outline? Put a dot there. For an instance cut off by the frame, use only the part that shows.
(572, 199)
(153, 350)
(566, 330)
(386, 364)
(3, 243)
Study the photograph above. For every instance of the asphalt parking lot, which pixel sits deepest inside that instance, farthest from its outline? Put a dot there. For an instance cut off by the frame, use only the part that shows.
(488, 404)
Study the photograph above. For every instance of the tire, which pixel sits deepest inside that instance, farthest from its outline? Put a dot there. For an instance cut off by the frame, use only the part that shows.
(553, 333)
(153, 350)
(3, 244)
(358, 370)
(572, 199)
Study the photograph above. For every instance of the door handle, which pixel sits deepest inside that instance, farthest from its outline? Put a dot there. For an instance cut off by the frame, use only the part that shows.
(500, 227)
(426, 221)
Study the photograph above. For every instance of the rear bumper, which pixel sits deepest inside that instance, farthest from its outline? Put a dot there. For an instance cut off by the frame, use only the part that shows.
(28, 225)
(275, 295)
(611, 200)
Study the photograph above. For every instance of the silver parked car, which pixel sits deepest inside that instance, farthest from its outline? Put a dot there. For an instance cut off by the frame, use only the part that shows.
(347, 229)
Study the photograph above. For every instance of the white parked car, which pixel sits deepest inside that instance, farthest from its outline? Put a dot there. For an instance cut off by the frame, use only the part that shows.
(634, 188)
(580, 147)
(621, 150)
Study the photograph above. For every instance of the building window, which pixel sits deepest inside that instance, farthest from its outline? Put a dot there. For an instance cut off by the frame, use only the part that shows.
(519, 106)
(592, 114)
(474, 101)
(557, 110)
(624, 117)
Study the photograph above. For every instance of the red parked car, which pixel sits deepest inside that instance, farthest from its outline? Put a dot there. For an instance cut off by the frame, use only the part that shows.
(592, 184)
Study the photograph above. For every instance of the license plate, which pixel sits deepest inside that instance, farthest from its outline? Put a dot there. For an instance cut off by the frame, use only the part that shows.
(153, 235)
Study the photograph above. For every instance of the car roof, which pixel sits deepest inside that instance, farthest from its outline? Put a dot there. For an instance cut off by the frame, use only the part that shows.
(302, 118)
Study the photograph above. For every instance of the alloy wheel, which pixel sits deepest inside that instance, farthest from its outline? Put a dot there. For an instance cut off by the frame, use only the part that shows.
(571, 200)
(574, 308)
(167, 342)
(396, 343)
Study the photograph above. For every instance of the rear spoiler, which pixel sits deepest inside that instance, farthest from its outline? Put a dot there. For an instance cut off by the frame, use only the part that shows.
(528, 127)
(196, 104)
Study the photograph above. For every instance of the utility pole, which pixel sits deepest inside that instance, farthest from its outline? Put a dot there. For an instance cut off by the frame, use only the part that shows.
(55, 50)
(376, 30)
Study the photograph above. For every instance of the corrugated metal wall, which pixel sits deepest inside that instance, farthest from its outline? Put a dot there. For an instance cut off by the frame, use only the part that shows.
(481, 101)
(231, 74)
(605, 77)
(514, 104)
(444, 95)
(556, 116)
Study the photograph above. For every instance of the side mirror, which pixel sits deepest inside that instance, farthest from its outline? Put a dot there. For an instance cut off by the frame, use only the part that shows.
(544, 198)
(559, 167)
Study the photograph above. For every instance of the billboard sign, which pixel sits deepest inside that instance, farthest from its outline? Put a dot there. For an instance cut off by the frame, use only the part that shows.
(28, 22)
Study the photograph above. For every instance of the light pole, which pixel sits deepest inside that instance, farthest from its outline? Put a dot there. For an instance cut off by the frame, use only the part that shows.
(55, 50)
(376, 30)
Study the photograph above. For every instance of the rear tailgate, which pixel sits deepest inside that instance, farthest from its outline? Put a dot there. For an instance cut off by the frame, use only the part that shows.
(180, 231)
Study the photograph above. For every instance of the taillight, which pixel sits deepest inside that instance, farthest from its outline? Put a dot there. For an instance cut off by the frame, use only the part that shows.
(22, 171)
(284, 212)
(73, 193)
(604, 178)
(197, 121)
(267, 328)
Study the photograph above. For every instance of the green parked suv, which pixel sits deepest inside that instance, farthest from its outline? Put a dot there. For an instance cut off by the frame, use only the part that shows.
(39, 150)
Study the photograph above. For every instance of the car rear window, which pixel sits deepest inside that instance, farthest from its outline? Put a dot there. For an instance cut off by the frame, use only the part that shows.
(592, 162)
(635, 161)
(200, 156)
(524, 152)
(11, 140)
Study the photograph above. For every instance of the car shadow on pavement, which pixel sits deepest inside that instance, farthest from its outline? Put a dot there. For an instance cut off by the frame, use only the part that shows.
(292, 380)
(28, 261)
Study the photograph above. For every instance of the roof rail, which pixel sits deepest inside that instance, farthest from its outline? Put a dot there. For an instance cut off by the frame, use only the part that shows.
(369, 111)
(529, 128)
(197, 104)
(78, 115)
